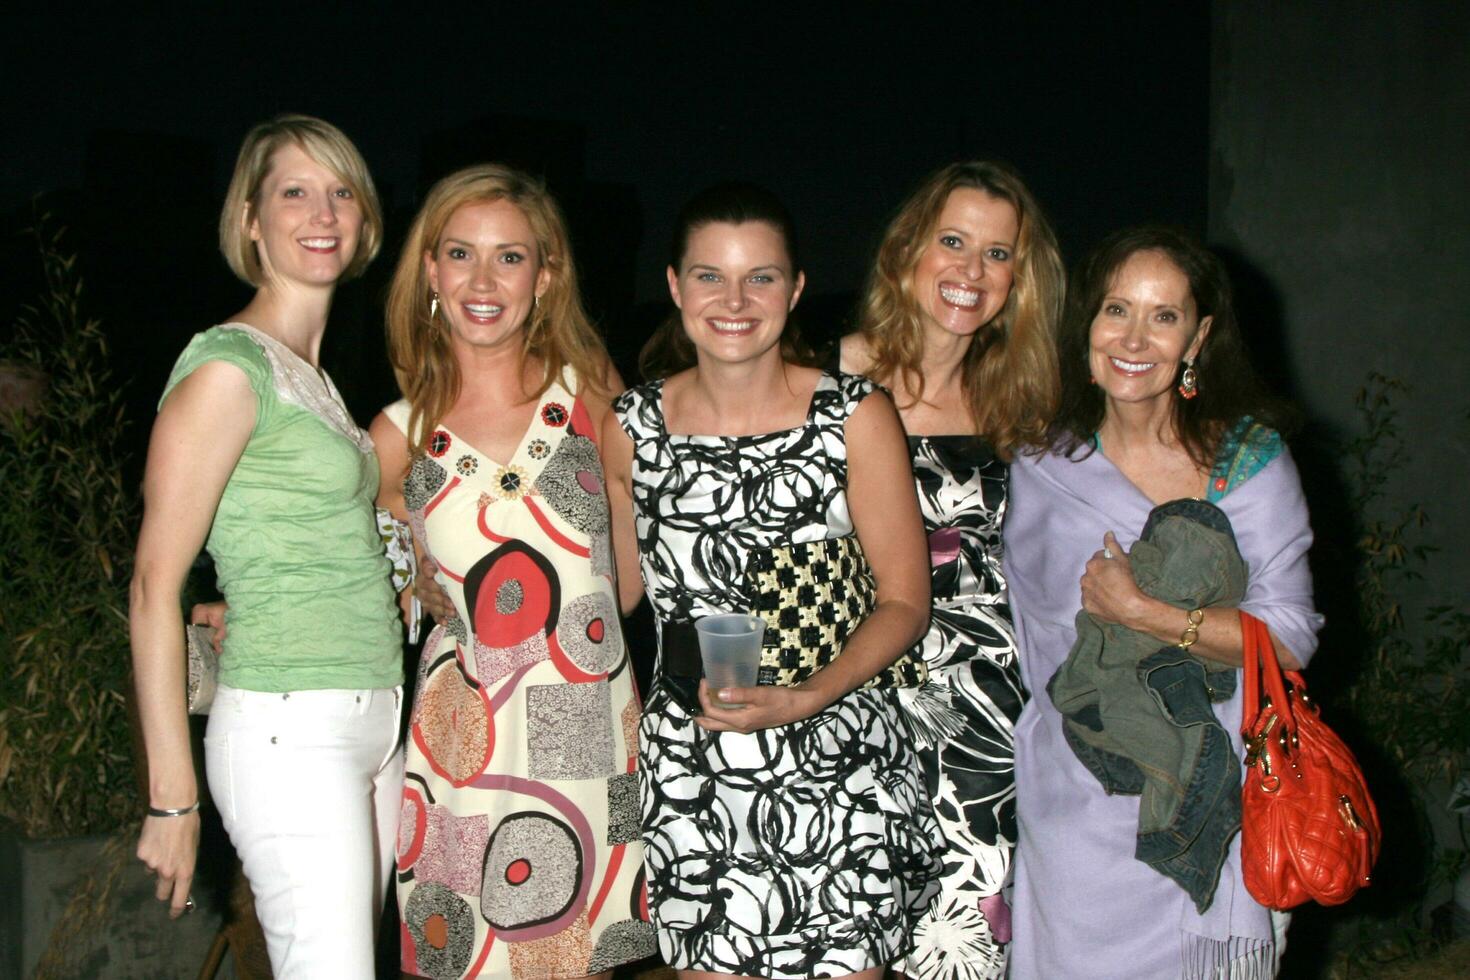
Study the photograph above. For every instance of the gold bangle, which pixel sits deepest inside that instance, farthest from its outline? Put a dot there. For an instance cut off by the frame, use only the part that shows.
(1191, 631)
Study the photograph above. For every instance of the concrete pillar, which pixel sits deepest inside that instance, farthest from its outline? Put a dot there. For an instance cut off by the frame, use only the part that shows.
(1340, 174)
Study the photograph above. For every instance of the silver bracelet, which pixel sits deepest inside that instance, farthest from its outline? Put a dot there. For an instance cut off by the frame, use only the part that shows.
(158, 811)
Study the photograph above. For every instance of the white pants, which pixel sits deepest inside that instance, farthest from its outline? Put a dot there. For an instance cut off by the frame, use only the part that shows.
(308, 784)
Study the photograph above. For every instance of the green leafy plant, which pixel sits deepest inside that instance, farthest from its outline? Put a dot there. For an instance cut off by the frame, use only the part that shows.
(66, 527)
(1412, 695)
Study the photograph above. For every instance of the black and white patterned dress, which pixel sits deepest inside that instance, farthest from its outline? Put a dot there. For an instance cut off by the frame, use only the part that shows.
(966, 747)
(807, 850)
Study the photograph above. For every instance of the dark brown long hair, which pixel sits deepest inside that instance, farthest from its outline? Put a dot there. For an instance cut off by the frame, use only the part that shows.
(1229, 387)
(669, 350)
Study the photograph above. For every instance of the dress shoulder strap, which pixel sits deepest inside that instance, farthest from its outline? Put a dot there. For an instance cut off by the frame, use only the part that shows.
(640, 411)
(837, 396)
(398, 413)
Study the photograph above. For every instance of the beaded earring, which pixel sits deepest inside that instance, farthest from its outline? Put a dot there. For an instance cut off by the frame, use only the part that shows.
(1189, 381)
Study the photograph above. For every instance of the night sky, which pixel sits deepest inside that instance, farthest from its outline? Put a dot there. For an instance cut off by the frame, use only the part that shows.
(130, 122)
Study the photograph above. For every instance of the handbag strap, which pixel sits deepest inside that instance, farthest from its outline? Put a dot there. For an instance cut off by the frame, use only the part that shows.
(1250, 666)
(1260, 663)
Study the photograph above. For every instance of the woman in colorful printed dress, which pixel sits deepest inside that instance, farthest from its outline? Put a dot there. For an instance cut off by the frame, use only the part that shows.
(254, 448)
(957, 322)
(788, 836)
(518, 852)
(1159, 403)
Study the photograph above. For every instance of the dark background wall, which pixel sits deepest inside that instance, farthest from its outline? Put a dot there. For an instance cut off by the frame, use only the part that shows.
(1338, 146)
(1338, 140)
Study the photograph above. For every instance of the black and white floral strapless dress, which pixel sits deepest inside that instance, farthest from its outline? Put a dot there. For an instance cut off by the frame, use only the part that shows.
(964, 721)
(808, 850)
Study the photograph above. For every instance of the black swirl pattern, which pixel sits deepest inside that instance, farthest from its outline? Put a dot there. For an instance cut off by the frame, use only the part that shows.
(804, 851)
(968, 757)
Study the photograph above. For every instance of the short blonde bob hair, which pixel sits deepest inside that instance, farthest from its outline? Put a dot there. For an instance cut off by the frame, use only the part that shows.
(328, 146)
(558, 330)
(1010, 371)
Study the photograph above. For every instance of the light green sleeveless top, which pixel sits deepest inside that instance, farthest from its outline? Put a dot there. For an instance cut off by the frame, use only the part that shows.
(295, 544)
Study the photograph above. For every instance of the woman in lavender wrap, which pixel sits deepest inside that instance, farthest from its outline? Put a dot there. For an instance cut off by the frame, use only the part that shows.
(1158, 403)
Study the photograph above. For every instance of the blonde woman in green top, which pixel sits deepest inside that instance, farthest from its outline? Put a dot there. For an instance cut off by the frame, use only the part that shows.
(254, 456)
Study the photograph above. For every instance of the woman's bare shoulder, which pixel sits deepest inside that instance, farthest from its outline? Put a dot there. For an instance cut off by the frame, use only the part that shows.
(856, 354)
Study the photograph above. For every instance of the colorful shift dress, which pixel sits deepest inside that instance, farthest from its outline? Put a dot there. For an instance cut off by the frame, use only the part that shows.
(807, 850)
(518, 851)
(964, 720)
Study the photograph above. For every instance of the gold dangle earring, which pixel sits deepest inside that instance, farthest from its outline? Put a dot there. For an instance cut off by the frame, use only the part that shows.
(433, 306)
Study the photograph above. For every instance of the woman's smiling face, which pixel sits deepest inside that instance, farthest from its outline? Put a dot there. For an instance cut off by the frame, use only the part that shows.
(487, 272)
(963, 277)
(1146, 325)
(305, 222)
(735, 288)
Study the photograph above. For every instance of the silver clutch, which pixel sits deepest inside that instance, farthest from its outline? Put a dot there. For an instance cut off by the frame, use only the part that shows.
(203, 668)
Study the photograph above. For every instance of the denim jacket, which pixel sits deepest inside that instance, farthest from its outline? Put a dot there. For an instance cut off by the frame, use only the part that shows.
(1138, 716)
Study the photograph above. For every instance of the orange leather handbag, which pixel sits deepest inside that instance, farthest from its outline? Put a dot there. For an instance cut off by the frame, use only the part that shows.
(1309, 829)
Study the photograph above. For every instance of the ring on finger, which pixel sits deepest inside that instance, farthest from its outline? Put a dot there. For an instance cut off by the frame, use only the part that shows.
(1107, 552)
(188, 904)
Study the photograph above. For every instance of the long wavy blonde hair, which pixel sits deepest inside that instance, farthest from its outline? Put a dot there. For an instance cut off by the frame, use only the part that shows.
(1010, 371)
(558, 331)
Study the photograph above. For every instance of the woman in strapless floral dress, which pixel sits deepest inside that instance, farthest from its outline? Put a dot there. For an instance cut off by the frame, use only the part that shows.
(957, 322)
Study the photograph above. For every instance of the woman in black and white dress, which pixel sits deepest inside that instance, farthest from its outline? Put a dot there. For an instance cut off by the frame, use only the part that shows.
(957, 322)
(791, 837)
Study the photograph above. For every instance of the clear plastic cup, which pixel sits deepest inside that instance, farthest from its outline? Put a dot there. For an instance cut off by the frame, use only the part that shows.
(730, 646)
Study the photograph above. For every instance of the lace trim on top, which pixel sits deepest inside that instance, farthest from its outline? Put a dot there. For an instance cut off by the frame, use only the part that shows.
(298, 383)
